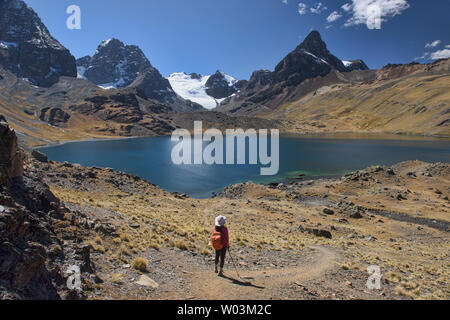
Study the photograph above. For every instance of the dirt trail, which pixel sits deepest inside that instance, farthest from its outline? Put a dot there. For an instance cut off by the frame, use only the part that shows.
(260, 284)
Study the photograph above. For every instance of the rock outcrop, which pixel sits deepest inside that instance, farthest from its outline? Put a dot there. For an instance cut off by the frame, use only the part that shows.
(54, 116)
(260, 78)
(34, 259)
(11, 164)
(219, 87)
(27, 48)
(356, 65)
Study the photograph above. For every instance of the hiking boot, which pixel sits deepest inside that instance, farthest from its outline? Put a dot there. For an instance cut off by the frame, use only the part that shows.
(215, 269)
(220, 273)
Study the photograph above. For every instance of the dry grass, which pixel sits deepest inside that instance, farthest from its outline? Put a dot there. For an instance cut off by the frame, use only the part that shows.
(140, 264)
(259, 224)
(373, 107)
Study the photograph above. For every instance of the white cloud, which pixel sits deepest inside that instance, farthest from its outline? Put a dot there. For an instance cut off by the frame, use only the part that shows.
(302, 8)
(373, 12)
(347, 7)
(285, 1)
(441, 54)
(334, 16)
(447, 46)
(424, 57)
(433, 44)
(319, 8)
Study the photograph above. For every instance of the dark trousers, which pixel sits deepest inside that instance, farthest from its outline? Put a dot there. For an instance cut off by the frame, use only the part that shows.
(221, 254)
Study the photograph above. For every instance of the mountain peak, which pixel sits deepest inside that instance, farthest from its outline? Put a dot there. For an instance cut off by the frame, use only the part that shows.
(314, 35)
(111, 43)
(16, 4)
(27, 49)
(314, 44)
(114, 64)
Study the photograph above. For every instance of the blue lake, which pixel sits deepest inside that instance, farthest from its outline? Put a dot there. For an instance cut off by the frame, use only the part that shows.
(314, 156)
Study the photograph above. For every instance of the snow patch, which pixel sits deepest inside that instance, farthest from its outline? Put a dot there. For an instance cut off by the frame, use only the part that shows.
(80, 73)
(231, 81)
(347, 63)
(192, 89)
(104, 43)
(316, 57)
(7, 45)
(113, 85)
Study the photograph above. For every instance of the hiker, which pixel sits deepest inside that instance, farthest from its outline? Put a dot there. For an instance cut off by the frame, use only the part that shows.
(220, 241)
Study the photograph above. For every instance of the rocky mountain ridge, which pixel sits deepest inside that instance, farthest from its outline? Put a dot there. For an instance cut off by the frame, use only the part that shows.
(27, 48)
(220, 86)
(116, 65)
(267, 90)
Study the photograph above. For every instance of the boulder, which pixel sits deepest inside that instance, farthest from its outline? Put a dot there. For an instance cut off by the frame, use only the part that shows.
(147, 282)
(315, 231)
(11, 162)
(39, 156)
(320, 233)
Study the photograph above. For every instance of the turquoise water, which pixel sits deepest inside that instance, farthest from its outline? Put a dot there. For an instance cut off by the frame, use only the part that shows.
(150, 158)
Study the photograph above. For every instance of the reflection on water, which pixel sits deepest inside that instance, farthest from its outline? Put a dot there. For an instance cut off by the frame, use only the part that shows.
(150, 158)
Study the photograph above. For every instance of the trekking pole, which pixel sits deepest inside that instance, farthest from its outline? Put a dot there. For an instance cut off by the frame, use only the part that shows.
(235, 267)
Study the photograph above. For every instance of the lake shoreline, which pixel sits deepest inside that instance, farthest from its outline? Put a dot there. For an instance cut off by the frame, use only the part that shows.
(302, 158)
(312, 135)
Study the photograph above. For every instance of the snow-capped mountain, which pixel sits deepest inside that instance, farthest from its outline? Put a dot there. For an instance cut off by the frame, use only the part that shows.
(208, 91)
(27, 48)
(113, 65)
(117, 65)
(355, 65)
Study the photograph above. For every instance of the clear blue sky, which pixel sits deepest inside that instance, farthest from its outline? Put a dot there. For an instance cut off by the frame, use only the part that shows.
(240, 36)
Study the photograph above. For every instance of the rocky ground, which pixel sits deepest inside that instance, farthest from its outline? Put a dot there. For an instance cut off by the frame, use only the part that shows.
(297, 240)
(301, 240)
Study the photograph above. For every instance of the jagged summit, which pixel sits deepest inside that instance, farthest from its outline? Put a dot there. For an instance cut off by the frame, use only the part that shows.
(28, 50)
(314, 44)
(309, 60)
(220, 85)
(114, 64)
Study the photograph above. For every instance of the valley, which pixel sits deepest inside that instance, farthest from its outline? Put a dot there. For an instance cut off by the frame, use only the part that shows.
(339, 206)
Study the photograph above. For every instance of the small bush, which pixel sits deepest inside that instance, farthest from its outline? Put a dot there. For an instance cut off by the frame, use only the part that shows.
(98, 240)
(140, 264)
(124, 237)
(123, 250)
(205, 251)
(99, 248)
(117, 277)
(180, 244)
(154, 245)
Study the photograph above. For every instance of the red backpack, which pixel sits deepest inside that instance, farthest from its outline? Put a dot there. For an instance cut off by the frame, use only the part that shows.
(216, 239)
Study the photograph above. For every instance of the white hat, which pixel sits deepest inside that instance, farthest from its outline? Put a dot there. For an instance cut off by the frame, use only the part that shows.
(220, 221)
